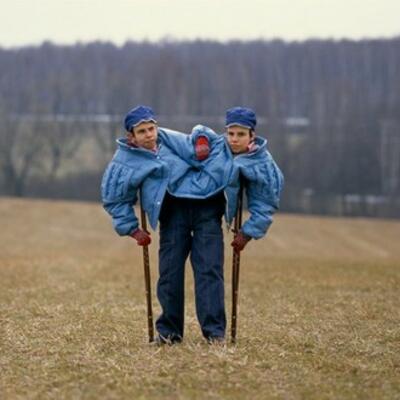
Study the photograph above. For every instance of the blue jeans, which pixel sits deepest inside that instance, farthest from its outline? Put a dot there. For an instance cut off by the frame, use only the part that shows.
(192, 227)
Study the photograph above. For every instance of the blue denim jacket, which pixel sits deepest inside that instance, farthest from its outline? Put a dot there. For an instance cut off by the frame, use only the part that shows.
(172, 167)
(261, 177)
(263, 183)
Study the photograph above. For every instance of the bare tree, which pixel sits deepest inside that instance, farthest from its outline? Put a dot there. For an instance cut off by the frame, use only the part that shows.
(21, 152)
(62, 140)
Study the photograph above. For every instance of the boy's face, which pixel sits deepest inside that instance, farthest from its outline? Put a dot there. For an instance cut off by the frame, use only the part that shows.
(144, 135)
(239, 138)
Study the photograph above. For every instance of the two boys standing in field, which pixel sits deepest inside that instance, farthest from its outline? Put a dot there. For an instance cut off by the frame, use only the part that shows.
(187, 183)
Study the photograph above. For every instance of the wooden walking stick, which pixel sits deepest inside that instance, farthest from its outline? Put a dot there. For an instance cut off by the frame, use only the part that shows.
(236, 265)
(147, 277)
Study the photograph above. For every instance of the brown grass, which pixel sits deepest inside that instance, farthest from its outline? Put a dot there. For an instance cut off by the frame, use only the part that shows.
(319, 313)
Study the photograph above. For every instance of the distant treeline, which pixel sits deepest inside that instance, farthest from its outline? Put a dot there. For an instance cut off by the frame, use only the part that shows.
(331, 109)
(322, 80)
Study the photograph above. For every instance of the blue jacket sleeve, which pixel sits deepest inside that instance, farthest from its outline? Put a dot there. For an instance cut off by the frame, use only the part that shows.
(202, 130)
(118, 196)
(263, 190)
(180, 143)
(183, 145)
(216, 143)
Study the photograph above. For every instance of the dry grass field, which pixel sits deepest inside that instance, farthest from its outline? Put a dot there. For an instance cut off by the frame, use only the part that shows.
(319, 313)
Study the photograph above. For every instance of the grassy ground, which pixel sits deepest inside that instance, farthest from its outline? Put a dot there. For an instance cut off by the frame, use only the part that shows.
(319, 313)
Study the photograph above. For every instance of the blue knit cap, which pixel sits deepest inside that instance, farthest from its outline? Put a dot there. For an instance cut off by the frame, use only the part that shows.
(241, 116)
(138, 115)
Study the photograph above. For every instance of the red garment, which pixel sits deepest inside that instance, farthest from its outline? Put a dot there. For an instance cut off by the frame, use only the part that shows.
(142, 237)
(202, 148)
(240, 241)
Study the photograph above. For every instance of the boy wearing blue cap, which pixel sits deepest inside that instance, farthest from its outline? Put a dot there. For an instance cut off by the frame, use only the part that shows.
(185, 195)
(260, 175)
(253, 167)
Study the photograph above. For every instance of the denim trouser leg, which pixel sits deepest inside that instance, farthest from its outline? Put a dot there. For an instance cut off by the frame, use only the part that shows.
(207, 258)
(191, 226)
(175, 243)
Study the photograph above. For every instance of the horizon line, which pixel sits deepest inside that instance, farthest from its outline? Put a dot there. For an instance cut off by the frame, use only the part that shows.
(174, 40)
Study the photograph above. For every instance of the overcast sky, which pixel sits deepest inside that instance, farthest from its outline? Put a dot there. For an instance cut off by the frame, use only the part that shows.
(25, 22)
